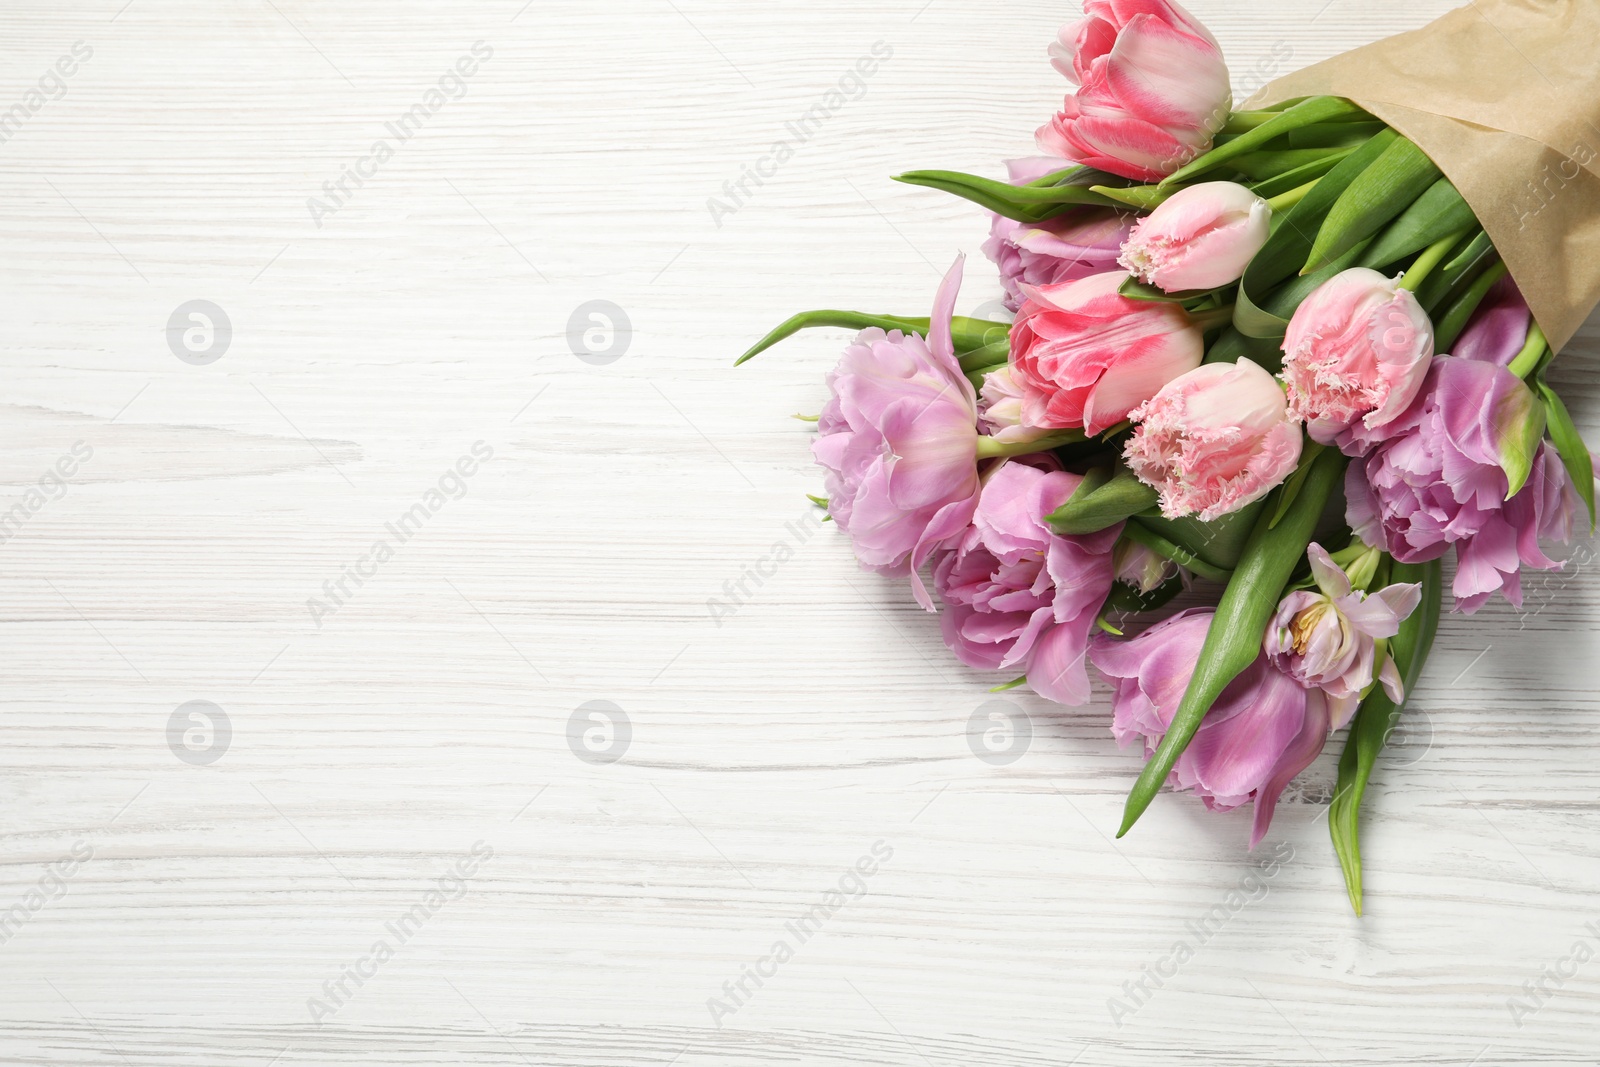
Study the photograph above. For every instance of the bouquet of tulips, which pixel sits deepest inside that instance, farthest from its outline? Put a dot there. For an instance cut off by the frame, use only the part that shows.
(1270, 353)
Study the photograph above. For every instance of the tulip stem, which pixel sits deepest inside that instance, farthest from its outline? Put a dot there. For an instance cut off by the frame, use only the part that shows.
(1292, 197)
(1429, 259)
(1143, 535)
(1532, 351)
(992, 448)
(1211, 318)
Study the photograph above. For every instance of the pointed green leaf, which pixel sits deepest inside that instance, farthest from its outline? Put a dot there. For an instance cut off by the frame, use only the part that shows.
(1314, 110)
(1376, 719)
(1569, 443)
(966, 334)
(1382, 191)
(1437, 213)
(1101, 502)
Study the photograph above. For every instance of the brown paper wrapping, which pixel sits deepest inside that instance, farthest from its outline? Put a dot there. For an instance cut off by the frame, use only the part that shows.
(1504, 95)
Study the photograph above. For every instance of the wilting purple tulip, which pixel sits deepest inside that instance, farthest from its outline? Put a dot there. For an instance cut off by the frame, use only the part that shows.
(1263, 730)
(1498, 329)
(1080, 242)
(1327, 638)
(1201, 237)
(1440, 480)
(899, 439)
(1020, 596)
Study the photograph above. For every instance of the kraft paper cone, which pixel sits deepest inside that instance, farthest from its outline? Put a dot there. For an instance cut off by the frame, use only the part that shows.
(1504, 95)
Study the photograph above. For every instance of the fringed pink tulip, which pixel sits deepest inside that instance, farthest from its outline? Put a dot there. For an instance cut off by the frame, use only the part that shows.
(1214, 440)
(1441, 480)
(1019, 596)
(1085, 355)
(1263, 730)
(1355, 354)
(1201, 237)
(899, 439)
(1327, 638)
(1152, 89)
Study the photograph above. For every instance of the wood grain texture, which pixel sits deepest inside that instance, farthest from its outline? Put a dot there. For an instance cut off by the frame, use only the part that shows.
(371, 748)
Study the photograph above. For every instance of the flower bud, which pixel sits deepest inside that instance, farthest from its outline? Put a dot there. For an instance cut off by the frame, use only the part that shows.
(1201, 237)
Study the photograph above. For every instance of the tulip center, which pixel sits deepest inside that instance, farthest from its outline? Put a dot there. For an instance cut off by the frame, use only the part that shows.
(1304, 624)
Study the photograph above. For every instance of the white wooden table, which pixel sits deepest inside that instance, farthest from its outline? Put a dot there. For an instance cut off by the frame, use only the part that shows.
(211, 890)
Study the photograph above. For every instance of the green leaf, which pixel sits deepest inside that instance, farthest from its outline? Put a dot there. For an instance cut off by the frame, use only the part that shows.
(1376, 719)
(1138, 197)
(1457, 310)
(1574, 453)
(1294, 179)
(1233, 640)
(1103, 499)
(1382, 192)
(1143, 535)
(1437, 213)
(1295, 482)
(967, 334)
(1134, 289)
(1219, 542)
(1263, 166)
(1316, 109)
(1025, 203)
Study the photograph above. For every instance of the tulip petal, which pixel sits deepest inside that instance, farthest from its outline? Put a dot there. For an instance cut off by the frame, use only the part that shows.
(1299, 755)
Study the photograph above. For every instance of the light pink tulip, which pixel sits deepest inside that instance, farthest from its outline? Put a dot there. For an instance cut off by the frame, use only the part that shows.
(1085, 355)
(1214, 440)
(1355, 354)
(899, 439)
(1017, 594)
(1152, 89)
(1327, 638)
(1201, 237)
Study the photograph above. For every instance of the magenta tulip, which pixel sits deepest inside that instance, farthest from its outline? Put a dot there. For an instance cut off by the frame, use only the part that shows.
(1085, 355)
(1498, 329)
(1152, 89)
(1355, 354)
(1019, 596)
(1263, 730)
(899, 439)
(1213, 440)
(1201, 237)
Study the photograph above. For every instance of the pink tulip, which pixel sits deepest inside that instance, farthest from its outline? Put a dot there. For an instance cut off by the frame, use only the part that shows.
(1020, 596)
(1327, 638)
(1263, 730)
(1214, 440)
(1201, 237)
(1152, 89)
(899, 439)
(1085, 355)
(1143, 568)
(1075, 244)
(1355, 354)
(1000, 410)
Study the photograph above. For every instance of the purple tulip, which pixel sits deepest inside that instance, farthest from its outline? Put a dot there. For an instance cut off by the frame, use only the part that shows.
(899, 439)
(1263, 730)
(1326, 638)
(1020, 596)
(1441, 479)
(1075, 244)
(1499, 328)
